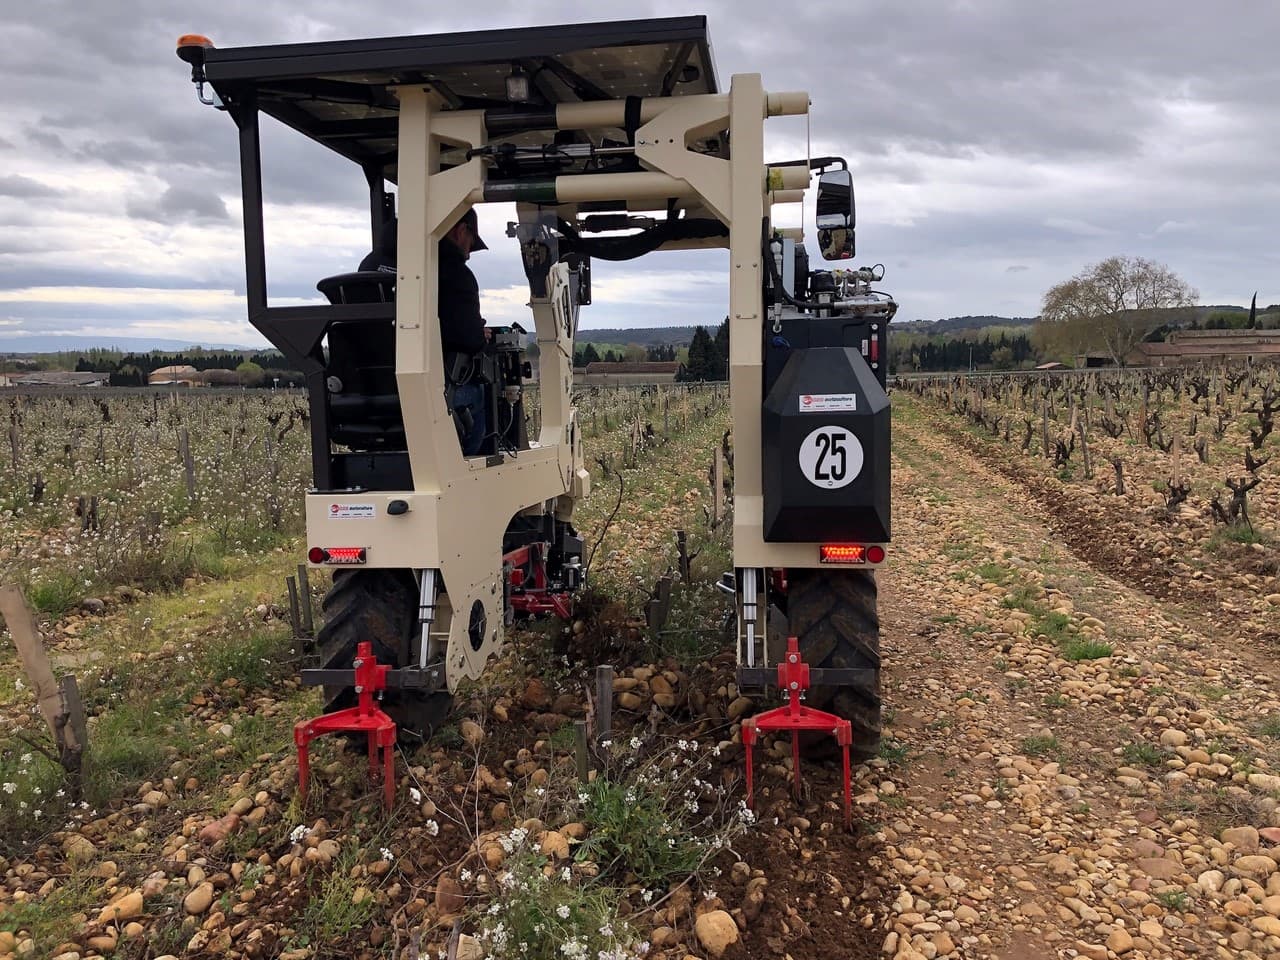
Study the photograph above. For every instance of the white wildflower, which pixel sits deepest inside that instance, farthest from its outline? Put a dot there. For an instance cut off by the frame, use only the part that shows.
(562, 912)
(299, 833)
(387, 855)
(606, 744)
(565, 875)
(635, 743)
(432, 828)
(10, 787)
(415, 795)
(465, 875)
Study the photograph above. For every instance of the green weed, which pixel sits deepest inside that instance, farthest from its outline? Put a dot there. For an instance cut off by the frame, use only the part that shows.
(1177, 900)
(1042, 745)
(551, 915)
(893, 752)
(632, 829)
(1141, 753)
(1086, 650)
(335, 910)
(1270, 727)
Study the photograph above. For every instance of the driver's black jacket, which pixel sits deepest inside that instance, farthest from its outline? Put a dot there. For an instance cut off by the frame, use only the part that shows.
(458, 294)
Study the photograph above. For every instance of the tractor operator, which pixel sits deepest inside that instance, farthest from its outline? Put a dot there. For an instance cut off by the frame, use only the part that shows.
(463, 333)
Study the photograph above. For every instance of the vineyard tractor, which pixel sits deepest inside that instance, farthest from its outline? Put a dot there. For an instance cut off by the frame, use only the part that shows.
(613, 141)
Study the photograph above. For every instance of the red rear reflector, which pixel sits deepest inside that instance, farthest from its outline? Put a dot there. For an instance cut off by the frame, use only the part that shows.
(875, 554)
(317, 555)
(842, 553)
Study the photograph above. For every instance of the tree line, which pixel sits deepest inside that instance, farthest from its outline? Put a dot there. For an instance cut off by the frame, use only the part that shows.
(262, 369)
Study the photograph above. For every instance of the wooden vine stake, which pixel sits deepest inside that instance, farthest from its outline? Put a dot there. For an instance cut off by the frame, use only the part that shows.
(1177, 459)
(717, 488)
(58, 702)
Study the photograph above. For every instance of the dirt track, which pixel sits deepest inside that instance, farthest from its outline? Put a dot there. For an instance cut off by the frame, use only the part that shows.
(1060, 804)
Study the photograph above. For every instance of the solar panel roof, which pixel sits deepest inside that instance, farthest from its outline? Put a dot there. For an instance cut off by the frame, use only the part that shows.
(336, 92)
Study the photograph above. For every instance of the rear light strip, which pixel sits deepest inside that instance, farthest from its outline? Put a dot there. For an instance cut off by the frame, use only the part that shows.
(850, 553)
(337, 555)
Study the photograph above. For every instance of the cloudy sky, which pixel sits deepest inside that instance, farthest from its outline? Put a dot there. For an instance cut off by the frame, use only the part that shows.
(998, 146)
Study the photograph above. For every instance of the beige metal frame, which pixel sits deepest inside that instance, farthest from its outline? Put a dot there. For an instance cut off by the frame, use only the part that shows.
(460, 507)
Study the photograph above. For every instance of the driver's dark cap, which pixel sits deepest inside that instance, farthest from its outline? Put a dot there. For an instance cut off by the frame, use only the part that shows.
(473, 224)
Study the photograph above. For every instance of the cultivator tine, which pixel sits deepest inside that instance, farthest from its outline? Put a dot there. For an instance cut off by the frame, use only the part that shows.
(793, 677)
(370, 678)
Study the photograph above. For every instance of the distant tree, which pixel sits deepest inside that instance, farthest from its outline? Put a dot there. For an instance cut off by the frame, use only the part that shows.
(250, 373)
(700, 365)
(1002, 358)
(1111, 305)
(634, 353)
(128, 376)
(610, 356)
(721, 345)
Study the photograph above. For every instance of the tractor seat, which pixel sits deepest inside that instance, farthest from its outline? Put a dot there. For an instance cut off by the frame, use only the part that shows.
(363, 286)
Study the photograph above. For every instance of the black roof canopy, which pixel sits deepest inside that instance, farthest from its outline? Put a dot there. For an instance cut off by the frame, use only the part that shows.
(335, 92)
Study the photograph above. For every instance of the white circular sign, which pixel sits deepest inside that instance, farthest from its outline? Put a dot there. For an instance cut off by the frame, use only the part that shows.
(831, 457)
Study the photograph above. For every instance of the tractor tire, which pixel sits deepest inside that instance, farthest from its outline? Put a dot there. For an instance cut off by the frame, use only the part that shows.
(380, 606)
(832, 613)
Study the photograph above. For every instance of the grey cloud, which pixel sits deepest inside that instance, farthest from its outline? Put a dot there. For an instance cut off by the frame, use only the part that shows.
(16, 185)
(1126, 108)
(180, 204)
(1016, 268)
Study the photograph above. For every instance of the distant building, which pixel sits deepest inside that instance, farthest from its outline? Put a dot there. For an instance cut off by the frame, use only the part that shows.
(182, 375)
(1095, 360)
(1184, 347)
(605, 374)
(56, 378)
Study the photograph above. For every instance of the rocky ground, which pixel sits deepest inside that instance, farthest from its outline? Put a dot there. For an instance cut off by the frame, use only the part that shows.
(1075, 764)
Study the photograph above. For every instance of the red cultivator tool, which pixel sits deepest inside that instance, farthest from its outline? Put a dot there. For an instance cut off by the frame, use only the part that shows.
(370, 678)
(793, 677)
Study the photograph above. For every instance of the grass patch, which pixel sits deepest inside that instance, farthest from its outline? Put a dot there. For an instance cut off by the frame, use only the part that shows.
(994, 573)
(893, 752)
(1270, 727)
(1141, 753)
(1055, 700)
(1213, 694)
(1086, 650)
(1022, 597)
(1043, 745)
(1236, 533)
(56, 593)
(338, 907)
(1054, 627)
(55, 917)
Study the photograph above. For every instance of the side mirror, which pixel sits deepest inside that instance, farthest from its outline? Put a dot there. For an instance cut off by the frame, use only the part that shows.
(836, 218)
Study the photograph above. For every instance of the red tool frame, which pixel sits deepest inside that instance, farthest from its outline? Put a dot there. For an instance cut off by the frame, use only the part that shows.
(793, 677)
(370, 679)
(528, 587)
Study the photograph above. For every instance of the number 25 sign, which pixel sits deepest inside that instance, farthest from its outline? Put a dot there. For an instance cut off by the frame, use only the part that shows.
(830, 457)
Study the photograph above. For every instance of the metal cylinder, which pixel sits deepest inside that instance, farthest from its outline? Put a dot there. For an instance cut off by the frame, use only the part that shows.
(786, 103)
(587, 188)
(607, 113)
(786, 196)
(788, 178)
